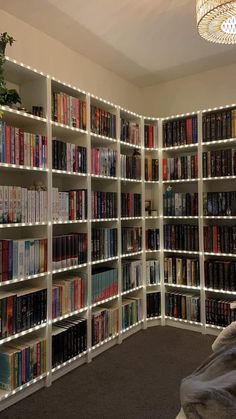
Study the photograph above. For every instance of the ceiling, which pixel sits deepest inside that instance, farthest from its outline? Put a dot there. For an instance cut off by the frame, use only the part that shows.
(143, 41)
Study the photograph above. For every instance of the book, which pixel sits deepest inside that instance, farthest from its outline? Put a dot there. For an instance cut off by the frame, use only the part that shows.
(130, 167)
(183, 306)
(68, 110)
(181, 237)
(130, 204)
(104, 243)
(104, 283)
(102, 122)
(131, 311)
(180, 167)
(180, 131)
(180, 203)
(152, 239)
(131, 239)
(103, 205)
(131, 274)
(153, 304)
(103, 161)
(130, 132)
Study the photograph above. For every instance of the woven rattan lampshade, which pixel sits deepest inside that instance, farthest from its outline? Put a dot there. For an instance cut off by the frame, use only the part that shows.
(216, 20)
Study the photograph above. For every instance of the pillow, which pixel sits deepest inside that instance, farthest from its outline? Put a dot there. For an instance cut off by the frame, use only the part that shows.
(226, 337)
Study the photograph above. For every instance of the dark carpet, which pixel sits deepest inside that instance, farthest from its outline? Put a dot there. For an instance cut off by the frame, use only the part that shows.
(136, 380)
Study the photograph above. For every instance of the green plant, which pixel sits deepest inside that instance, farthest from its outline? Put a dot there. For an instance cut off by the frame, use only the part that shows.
(7, 97)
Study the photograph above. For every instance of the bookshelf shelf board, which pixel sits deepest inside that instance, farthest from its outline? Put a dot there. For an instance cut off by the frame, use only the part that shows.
(219, 178)
(184, 321)
(219, 217)
(103, 220)
(181, 147)
(72, 313)
(132, 290)
(126, 255)
(220, 291)
(104, 341)
(186, 252)
(151, 181)
(124, 179)
(181, 180)
(152, 251)
(10, 166)
(64, 172)
(132, 326)
(130, 145)
(153, 318)
(131, 218)
(42, 223)
(153, 285)
(27, 278)
(102, 137)
(106, 300)
(15, 115)
(95, 262)
(5, 394)
(214, 326)
(149, 149)
(104, 177)
(153, 217)
(181, 217)
(215, 142)
(58, 127)
(58, 367)
(69, 268)
(23, 333)
(220, 254)
(129, 113)
(69, 222)
(190, 287)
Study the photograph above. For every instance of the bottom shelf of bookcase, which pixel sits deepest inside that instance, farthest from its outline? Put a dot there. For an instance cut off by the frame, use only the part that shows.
(184, 324)
(104, 345)
(69, 365)
(134, 328)
(154, 321)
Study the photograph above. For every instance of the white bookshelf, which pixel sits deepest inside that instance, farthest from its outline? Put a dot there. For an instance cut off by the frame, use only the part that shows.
(36, 87)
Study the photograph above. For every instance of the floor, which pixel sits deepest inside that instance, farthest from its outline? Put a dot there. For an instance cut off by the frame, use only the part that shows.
(136, 380)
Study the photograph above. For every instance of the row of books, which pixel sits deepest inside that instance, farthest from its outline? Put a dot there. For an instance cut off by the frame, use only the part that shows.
(22, 309)
(181, 167)
(183, 306)
(152, 239)
(69, 250)
(219, 163)
(22, 361)
(219, 238)
(181, 271)
(68, 294)
(152, 272)
(103, 204)
(104, 243)
(71, 205)
(22, 258)
(22, 205)
(149, 141)
(151, 169)
(102, 122)
(131, 274)
(103, 161)
(131, 239)
(69, 339)
(130, 167)
(181, 237)
(104, 283)
(131, 311)
(180, 131)
(69, 110)
(22, 148)
(219, 312)
(219, 203)
(131, 204)
(219, 125)
(220, 274)
(129, 132)
(153, 304)
(180, 203)
(68, 157)
(105, 323)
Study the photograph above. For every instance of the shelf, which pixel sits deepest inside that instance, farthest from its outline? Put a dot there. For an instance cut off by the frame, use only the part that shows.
(181, 180)
(59, 128)
(189, 287)
(129, 145)
(186, 252)
(220, 254)
(11, 225)
(219, 217)
(13, 116)
(220, 291)
(72, 313)
(23, 333)
(123, 179)
(184, 321)
(103, 220)
(181, 217)
(58, 367)
(153, 285)
(69, 222)
(131, 218)
(10, 166)
(65, 172)
(5, 394)
(181, 147)
(132, 290)
(219, 178)
(69, 268)
(103, 137)
(215, 142)
(152, 251)
(213, 326)
(125, 255)
(152, 181)
(106, 300)
(149, 149)
(103, 177)
(104, 341)
(153, 318)
(95, 262)
(27, 278)
(132, 326)
(154, 217)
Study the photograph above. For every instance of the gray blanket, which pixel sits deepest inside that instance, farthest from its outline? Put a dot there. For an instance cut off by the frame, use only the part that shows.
(210, 392)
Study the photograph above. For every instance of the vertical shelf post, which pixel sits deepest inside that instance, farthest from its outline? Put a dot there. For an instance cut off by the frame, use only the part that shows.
(89, 235)
(144, 314)
(161, 227)
(119, 238)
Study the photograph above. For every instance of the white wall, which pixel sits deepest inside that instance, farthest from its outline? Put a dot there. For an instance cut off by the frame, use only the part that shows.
(44, 53)
(200, 91)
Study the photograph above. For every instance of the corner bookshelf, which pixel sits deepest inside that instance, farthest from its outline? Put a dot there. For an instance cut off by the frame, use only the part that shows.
(135, 209)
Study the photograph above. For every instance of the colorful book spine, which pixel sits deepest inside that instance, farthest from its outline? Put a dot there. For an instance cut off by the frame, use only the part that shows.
(153, 304)
(181, 237)
(69, 206)
(69, 110)
(103, 161)
(181, 167)
(131, 204)
(69, 250)
(219, 312)
(103, 205)
(152, 239)
(180, 204)
(102, 122)
(219, 203)
(130, 132)
(149, 132)
(132, 311)
(105, 323)
(131, 274)
(104, 243)
(183, 306)
(104, 284)
(220, 239)
(151, 169)
(180, 131)
(69, 294)
(181, 271)
(130, 167)
(152, 272)
(219, 125)
(68, 157)
(217, 163)
(131, 238)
